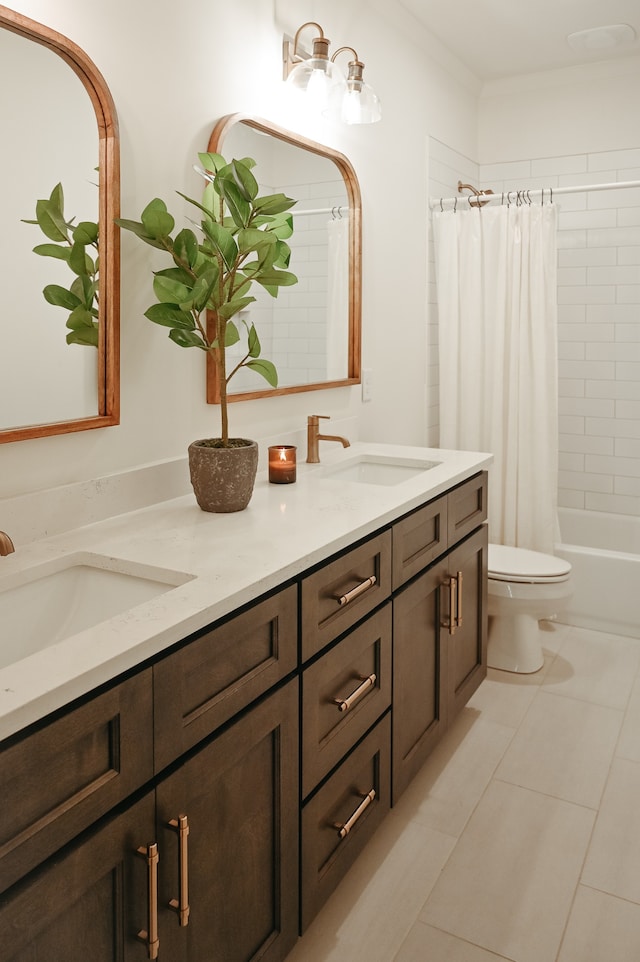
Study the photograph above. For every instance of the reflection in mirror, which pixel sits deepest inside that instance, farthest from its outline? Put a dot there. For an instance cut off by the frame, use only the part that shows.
(311, 331)
(58, 118)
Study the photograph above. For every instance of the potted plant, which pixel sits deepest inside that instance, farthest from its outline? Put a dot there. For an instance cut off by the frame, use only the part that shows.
(242, 242)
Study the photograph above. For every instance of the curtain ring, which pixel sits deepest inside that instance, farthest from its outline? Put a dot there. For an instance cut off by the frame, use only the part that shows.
(455, 205)
(542, 198)
(502, 198)
(441, 207)
(551, 192)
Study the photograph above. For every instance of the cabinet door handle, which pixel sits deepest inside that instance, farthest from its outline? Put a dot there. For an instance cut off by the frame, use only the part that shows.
(357, 591)
(459, 600)
(343, 830)
(344, 704)
(150, 935)
(452, 621)
(180, 825)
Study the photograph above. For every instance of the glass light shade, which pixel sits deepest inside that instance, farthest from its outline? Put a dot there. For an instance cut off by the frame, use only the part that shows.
(319, 80)
(357, 103)
(360, 104)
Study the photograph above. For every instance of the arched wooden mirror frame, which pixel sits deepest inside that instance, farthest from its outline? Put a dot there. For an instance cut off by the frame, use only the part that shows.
(348, 174)
(108, 360)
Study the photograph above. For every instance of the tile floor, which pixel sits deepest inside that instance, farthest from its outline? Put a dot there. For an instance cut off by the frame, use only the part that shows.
(520, 838)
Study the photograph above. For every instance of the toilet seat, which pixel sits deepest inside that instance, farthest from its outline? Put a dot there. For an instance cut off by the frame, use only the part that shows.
(522, 566)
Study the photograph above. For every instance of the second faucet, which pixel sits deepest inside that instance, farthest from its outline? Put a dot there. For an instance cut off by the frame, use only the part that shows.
(313, 436)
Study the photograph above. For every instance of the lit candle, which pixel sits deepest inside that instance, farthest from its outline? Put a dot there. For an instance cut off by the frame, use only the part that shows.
(282, 464)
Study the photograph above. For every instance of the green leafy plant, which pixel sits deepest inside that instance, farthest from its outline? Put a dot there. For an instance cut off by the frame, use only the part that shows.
(241, 242)
(77, 245)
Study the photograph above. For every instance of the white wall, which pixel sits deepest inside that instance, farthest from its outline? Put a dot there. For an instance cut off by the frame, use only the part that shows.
(173, 69)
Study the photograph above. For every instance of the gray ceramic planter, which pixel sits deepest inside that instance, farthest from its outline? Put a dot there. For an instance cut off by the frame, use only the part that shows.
(223, 478)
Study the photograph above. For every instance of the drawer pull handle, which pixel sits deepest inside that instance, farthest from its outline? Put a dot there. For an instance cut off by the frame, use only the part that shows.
(459, 601)
(343, 830)
(180, 825)
(452, 621)
(150, 935)
(344, 704)
(357, 591)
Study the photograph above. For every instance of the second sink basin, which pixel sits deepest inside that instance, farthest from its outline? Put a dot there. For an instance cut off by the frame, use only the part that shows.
(59, 599)
(378, 469)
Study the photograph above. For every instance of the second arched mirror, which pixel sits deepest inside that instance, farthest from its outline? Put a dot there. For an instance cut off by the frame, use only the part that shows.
(311, 331)
(58, 373)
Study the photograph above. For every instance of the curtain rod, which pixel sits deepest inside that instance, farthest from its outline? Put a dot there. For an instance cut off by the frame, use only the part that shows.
(519, 195)
(336, 211)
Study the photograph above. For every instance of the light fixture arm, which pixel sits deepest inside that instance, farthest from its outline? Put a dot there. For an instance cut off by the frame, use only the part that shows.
(291, 56)
(356, 65)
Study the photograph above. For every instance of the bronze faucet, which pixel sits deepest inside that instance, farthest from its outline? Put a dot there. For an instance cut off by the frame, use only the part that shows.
(313, 436)
(6, 544)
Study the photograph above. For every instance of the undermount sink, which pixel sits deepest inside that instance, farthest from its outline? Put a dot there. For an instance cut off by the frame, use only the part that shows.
(378, 469)
(59, 599)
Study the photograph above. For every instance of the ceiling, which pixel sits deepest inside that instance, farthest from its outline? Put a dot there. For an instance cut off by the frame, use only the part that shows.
(503, 38)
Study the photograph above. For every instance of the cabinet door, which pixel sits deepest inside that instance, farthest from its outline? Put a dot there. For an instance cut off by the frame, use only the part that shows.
(59, 778)
(419, 675)
(240, 795)
(89, 902)
(467, 645)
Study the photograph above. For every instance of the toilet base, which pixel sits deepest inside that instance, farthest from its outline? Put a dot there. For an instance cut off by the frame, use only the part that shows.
(515, 644)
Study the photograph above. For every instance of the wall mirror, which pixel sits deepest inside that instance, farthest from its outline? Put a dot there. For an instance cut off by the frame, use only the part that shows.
(311, 331)
(58, 126)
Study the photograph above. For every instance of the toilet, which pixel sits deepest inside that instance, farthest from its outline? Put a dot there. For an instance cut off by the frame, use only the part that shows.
(524, 588)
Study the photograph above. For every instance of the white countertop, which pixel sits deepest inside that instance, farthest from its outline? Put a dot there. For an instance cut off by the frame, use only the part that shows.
(218, 563)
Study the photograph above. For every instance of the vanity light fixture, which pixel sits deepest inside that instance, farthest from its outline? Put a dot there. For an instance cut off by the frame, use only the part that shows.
(315, 75)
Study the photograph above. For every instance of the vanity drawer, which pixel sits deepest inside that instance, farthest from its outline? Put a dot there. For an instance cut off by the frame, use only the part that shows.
(418, 539)
(202, 685)
(343, 591)
(59, 778)
(343, 693)
(340, 819)
(467, 507)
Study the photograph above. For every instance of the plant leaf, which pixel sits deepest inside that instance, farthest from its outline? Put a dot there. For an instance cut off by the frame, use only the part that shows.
(170, 315)
(51, 222)
(244, 179)
(85, 336)
(273, 203)
(185, 247)
(239, 209)
(156, 219)
(266, 369)
(187, 338)
(53, 250)
(60, 297)
(171, 291)
(86, 233)
(222, 240)
(79, 260)
(234, 307)
(253, 342)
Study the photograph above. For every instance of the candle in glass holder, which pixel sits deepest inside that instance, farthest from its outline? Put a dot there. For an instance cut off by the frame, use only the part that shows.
(282, 464)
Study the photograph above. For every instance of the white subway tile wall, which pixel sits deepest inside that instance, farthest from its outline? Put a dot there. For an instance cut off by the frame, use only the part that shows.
(598, 315)
(297, 319)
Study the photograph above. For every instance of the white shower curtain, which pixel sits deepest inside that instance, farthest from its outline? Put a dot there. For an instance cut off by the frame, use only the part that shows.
(338, 298)
(496, 281)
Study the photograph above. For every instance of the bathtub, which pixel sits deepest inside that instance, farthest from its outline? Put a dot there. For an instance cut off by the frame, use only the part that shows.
(604, 551)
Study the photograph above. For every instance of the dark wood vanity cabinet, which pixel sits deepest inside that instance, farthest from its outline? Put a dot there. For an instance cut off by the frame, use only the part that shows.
(206, 806)
(204, 864)
(439, 636)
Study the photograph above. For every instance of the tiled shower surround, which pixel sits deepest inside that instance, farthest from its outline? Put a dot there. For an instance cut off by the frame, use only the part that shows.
(598, 315)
